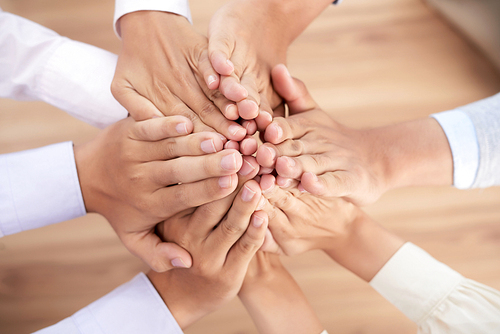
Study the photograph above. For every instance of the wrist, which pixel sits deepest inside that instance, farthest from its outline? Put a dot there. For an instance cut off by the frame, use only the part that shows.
(182, 304)
(366, 248)
(414, 153)
(82, 159)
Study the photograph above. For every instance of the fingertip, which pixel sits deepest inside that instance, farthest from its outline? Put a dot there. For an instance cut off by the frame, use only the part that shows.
(309, 182)
(273, 133)
(260, 220)
(221, 63)
(212, 81)
(232, 145)
(248, 146)
(248, 109)
(267, 182)
(250, 126)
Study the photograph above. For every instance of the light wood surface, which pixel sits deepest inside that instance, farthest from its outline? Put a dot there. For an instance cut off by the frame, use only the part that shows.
(368, 63)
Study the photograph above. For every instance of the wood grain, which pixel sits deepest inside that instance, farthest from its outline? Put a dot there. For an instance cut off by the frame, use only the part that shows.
(368, 63)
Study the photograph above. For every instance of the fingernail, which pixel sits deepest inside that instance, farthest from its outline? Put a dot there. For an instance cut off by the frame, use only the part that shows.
(211, 79)
(290, 161)
(264, 191)
(246, 169)
(208, 146)
(234, 129)
(257, 221)
(231, 109)
(224, 139)
(301, 188)
(181, 128)
(272, 151)
(279, 130)
(225, 182)
(266, 170)
(178, 263)
(284, 183)
(230, 63)
(229, 162)
(247, 194)
(266, 115)
(261, 204)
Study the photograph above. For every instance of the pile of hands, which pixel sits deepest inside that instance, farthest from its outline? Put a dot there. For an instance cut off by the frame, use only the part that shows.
(184, 182)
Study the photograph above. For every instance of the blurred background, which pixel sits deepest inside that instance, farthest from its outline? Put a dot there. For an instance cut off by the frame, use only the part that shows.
(368, 63)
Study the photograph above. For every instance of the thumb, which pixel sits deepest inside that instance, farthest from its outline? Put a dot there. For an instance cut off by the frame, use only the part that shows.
(292, 90)
(220, 46)
(158, 255)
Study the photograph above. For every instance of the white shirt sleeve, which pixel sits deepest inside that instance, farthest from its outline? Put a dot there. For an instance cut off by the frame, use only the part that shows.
(38, 64)
(134, 307)
(122, 7)
(461, 135)
(435, 297)
(39, 187)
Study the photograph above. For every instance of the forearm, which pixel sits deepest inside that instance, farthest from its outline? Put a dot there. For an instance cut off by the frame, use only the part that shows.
(277, 304)
(366, 247)
(414, 153)
(292, 17)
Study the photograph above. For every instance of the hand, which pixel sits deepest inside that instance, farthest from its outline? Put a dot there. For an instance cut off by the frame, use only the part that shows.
(222, 244)
(137, 174)
(331, 160)
(300, 222)
(274, 300)
(246, 39)
(162, 70)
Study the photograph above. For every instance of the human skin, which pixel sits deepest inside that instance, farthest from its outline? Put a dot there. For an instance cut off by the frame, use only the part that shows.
(332, 160)
(274, 300)
(221, 242)
(162, 69)
(137, 174)
(237, 33)
(301, 222)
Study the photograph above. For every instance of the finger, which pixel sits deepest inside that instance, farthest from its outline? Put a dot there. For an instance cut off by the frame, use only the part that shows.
(192, 145)
(286, 183)
(160, 128)
(249, 167)
(249, 107)
(292, 90)
(158, 255)
(265, 113)
(278, 197)
(248, 146)
(220, 48)
(192, 169)
(315, 163)
(331, 184)
(267, 155)
(250, 126)
(270, 245)
(210, 76)
(139, 107)
(215, 211)
(168, 201)
(232, 89)
(237, 219)
(282, 129)
(243, 251)
(265, 170)
(232, 145)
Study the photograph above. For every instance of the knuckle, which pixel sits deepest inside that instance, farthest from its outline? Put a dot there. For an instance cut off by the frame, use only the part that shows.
(232, 229)
(297, 146)
(319, 160)
(169, 148)
(158, 265)
(249, 244)
(206, 110)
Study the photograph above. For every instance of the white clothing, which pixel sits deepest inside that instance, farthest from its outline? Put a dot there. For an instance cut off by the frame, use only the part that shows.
(435, 297)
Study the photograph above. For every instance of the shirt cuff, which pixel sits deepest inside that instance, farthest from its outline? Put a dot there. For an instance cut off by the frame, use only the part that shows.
(463, 142)
(415, 282)
(39, 187)
(134, 307)
(122, 7)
